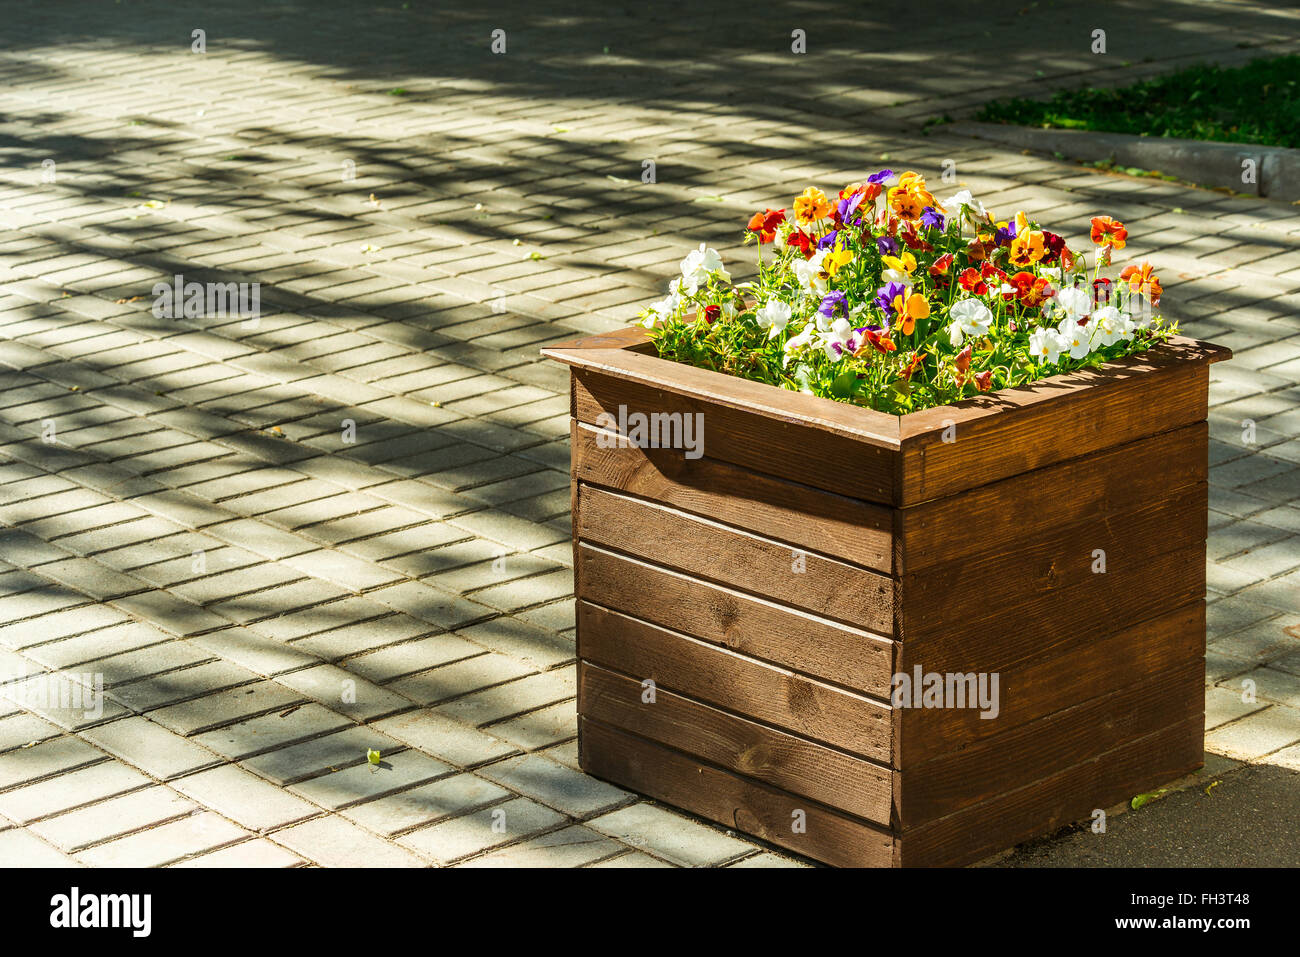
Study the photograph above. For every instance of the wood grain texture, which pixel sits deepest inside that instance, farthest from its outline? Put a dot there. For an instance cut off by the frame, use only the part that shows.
(1041, 807)
(737, 744)
(722, 678)
(744, 804)
(1065, 674)
(993, 518)
(742, 560)
(751, 626)
(947, 450)
(851, 460)
(1039, 749)
(1088, 613)
(790, 512)
(1051, 569)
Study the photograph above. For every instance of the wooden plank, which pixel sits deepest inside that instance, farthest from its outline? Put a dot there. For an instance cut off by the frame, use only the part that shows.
(1067, 674)
(1046, 576)
(727, 556)
(723, 678)
(733, 801)
(789, 512)
(1041, 807)
(751, 626)
(739, 745)
(982, 771)
(995, 517)
(1173, 580)
(948, 449)
(764, 436)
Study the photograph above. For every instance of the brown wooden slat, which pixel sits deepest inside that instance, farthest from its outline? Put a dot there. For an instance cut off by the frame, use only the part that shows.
(994, 517)
(751, 626)
(844, 458)
(718, 553)
(720, 677)
(1052, 744)
(729, 799)
(949, 449)
(1173, 580)
(739, 745)
(790, 512)
(1046, 576)
(1065, 675)
(1042, 806)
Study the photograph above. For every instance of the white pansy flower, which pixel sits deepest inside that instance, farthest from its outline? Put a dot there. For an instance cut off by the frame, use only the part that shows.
(806, 270)
(1070, 303)
(1108, 326)
(965, 200)
(773, 316)
(657, 313)
(698, 265)
(970, 317)
(1075, 338)
(1046, 345)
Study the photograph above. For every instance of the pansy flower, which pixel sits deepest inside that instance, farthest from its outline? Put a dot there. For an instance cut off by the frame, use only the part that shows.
(910, 308)
(913, 364)
(888, 246)
(1108, 232)
(812, 205)
(1029, 246)
(764, 224)
(910, 197)
(886, 295)
(1140, 279)
(801, 241)
(931, 218)
(1031, 290)
(834, 302)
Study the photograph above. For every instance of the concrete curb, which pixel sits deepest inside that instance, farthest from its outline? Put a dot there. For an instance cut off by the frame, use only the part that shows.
(1276, 169)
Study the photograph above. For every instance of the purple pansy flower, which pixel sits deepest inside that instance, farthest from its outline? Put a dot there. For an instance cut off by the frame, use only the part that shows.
(847, 206)
(828, 240)
(886, 295)
(888, 246)
(931, 218)
(832, 302)
(881, 177)
(1007, 233)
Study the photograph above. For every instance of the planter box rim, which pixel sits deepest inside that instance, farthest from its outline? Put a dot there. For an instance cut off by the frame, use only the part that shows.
(623, 354)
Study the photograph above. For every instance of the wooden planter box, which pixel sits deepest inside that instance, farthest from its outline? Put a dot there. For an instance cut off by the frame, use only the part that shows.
(771, 588)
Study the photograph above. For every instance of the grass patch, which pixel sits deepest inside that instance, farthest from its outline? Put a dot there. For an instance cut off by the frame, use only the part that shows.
(1256, 103)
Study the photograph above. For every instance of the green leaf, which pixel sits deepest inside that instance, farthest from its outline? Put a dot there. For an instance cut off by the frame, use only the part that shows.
(372, 756)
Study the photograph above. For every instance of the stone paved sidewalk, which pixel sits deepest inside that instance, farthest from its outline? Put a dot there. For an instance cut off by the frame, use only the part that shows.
(345, 526)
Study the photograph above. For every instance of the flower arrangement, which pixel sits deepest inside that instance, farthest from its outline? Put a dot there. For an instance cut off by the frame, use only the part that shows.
(887, 298)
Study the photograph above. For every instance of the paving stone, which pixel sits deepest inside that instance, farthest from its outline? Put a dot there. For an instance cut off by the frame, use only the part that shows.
(334, 842)
(570, 847)
(554, 785)
(456, 743)
(244, 798)
(188, 700)
(632, 860)
(257, 853)
(73, 789)
(502, 701)
(43, 760)
(277, 729)
(405, 810)
(345, 692)
(364, 782)
(200, 712)
(669, 835)
(481, 830)
(150, 747)
(158, 846)
(19, 848)
(113, 818)
(458, 679)
(1256, 734)
(330, 752)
